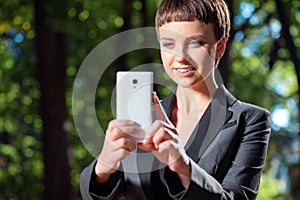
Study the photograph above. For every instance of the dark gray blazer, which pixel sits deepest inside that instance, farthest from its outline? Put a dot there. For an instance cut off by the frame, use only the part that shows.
(227, 163)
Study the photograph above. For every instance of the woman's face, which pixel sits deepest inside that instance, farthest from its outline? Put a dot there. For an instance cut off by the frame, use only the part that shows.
(189, 51)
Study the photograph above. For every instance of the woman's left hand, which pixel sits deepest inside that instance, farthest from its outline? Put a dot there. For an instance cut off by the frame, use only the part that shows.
(165, 144)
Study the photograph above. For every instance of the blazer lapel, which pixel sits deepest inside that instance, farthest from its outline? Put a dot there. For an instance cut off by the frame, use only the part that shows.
(220, 114)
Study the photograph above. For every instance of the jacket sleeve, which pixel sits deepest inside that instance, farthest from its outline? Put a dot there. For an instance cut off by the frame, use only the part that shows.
(91, 189)
(243, 176)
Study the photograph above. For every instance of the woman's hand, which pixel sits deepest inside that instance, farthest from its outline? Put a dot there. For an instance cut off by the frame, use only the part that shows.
(116, 147)
(165, 144)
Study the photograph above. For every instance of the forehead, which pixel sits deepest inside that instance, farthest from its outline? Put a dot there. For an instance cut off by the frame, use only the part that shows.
(186, 29)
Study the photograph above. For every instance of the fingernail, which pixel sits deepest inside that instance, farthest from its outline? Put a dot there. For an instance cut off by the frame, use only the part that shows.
(131, 122)
(145, 141)
(137, 124)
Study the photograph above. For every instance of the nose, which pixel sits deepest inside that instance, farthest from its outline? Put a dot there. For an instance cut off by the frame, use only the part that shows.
(181, 55)
(179, 52)
(179, 58)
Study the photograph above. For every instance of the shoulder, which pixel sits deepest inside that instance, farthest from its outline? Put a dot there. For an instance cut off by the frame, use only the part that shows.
(249, 108)
(253, 114)
(249, 112)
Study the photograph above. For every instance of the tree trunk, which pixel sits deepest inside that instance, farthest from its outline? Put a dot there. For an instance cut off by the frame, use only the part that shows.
(293, 50)
(294, 53)
(121, 64)
(51, 64)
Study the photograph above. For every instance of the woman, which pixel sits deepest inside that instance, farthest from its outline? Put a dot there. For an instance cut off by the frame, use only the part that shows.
(207, 144)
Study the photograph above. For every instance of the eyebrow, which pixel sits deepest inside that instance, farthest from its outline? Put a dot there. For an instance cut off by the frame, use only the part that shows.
(165, 38)
(197, 36)
(191, 37)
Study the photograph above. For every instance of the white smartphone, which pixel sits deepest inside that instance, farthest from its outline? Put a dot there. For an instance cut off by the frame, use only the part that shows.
(134, 99)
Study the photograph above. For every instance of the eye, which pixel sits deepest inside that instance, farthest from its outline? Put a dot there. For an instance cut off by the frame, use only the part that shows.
(168, 45)
(195, 43)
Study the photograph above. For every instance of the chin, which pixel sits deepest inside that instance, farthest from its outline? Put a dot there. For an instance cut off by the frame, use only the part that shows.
(185, 83)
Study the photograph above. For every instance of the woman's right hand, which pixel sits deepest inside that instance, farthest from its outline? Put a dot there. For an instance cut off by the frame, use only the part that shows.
(116, 147)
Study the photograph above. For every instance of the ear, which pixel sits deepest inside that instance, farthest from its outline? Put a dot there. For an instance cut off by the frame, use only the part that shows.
(221, 46)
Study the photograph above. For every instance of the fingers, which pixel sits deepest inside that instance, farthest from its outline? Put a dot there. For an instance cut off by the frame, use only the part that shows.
(155, 99)
(161, 136)
(158, 132)
(109, 161)
(118, 133)
(152, 130)
(117, 145)
(126, 144)
(122, 128)
(147, 146)
(159, 110)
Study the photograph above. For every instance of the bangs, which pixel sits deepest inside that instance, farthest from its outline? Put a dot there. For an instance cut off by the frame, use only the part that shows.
(182, 10)
(174, 17)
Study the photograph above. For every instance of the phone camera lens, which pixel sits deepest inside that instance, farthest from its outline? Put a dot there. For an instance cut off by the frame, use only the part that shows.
(134, 81)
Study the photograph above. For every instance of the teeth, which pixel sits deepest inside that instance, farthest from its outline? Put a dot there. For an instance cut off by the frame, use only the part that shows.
(185, 70)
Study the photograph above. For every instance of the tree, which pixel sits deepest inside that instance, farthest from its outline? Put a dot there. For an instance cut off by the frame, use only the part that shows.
(264, 52)
(294, 52)
(288, 38)
(51, 63)
(260, 66)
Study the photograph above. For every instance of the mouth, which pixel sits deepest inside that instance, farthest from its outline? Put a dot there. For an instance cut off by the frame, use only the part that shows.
(185, 71)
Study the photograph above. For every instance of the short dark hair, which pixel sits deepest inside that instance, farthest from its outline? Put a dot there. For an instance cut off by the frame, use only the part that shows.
(209, 11)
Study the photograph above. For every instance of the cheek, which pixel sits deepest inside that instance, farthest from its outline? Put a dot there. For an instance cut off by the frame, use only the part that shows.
(166, 58)
(202, 59)
(213, 52)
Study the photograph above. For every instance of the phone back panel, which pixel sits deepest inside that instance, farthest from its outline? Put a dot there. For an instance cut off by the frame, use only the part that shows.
(134, 91)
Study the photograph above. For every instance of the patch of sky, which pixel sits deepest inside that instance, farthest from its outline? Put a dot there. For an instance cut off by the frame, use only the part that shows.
(14, 38)
(246, 52)
(254, 20)
(292, 154)
(283, 177)
(251, 46)
(19, 37)
(239, 20)
(275, 28)
(295, 126)
(10, 43)
(280, 117)
(264, 31)
(247, 9)
(281, 89)
(292, 104)
(239, 36)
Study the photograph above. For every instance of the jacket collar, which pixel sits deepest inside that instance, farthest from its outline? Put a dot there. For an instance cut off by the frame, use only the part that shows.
(221, 113)
(222, 97)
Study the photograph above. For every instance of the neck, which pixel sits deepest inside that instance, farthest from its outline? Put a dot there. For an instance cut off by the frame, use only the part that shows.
(196, 98)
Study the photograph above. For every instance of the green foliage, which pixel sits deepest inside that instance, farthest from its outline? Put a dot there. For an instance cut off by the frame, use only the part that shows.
(270, 189)
(21, 163)
(259, 74)
(261, 63)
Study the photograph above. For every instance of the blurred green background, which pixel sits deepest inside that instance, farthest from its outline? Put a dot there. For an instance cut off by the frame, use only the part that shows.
(44, 42)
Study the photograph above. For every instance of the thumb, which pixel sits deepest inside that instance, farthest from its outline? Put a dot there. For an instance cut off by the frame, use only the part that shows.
(159, 110)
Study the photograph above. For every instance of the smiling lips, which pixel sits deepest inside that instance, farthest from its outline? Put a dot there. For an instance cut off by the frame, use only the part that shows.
(185, 72)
